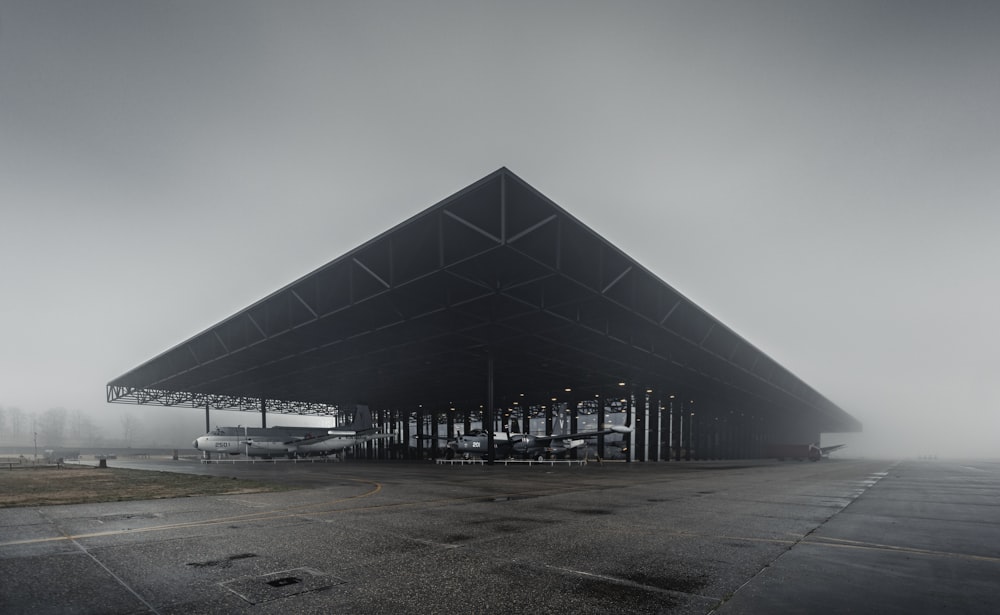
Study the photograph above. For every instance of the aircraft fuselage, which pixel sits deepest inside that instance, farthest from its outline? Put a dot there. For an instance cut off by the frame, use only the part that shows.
(277, 441)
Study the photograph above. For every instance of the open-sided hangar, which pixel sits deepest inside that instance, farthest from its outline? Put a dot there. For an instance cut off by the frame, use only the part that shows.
(494, 303)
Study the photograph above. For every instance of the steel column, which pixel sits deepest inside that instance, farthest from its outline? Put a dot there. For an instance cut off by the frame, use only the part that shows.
(488, 419)
(630, 437)
(678, 429)
(434, 434)
(573, 408)
(600, 424)
(641, 424)
(690, 433)
(420, 432)
(654, 426)
(404, 419)
(668, 414)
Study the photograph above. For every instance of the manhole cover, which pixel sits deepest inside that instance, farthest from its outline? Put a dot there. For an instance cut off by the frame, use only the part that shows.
(283, 584)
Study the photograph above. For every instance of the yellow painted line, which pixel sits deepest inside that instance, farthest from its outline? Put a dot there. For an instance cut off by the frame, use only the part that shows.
(283, 513)
(299, 511)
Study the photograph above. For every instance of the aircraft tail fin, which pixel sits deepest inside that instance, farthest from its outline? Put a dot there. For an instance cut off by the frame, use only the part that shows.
(362, 420)
(560, 426)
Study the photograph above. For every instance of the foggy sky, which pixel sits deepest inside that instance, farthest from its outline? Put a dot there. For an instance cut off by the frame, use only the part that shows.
(823, 177)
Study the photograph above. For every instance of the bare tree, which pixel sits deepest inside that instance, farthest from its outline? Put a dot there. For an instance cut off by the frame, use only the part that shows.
(52, 426)
(130, 427)
(84, 429)
(16, 422)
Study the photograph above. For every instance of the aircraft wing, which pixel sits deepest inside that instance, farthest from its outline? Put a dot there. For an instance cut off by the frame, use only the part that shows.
(582, 434)
(830, 449)
(312, 439)
(332, 434)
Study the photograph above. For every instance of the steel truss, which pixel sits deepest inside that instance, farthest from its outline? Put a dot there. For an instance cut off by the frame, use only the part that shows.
(187, 399)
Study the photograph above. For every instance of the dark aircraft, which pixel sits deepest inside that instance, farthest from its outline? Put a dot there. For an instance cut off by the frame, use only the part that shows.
(290, 441)
(812, 452)
(527, 446)
(823, 451)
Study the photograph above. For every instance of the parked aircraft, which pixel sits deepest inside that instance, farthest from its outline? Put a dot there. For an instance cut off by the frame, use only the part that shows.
(509, 444)
(290, 441)
(812, 452)
(824, 451)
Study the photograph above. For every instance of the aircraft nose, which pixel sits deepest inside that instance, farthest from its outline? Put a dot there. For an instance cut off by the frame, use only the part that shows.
(195, 443)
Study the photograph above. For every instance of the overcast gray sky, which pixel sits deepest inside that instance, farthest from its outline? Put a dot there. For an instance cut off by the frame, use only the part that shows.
(823, 177)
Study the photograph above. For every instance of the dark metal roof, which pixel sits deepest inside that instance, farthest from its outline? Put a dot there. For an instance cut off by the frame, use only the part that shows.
(411, 317)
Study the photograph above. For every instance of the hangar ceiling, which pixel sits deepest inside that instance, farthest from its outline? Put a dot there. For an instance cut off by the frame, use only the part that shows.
(494, 272)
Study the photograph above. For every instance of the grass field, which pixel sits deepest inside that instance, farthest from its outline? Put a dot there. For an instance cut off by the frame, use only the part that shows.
(51, 485)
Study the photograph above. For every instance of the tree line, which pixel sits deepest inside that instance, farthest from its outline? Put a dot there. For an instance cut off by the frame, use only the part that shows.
(62, 427)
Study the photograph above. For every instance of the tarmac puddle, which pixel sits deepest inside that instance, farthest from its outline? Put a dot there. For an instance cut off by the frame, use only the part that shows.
(223, 563)
(508, 498)
(685, 584)
(127, 517)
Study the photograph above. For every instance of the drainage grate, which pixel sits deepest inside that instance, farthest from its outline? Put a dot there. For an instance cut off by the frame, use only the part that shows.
(283, 584)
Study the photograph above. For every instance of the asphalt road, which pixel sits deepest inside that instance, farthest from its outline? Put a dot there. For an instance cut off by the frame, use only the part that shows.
(861, 536)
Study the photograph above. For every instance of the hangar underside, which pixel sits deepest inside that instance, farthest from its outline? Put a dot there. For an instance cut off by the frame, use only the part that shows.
(493, 301)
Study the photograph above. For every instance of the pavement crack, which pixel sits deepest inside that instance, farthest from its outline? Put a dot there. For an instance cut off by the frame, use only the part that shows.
(870, 482)
(101, 564)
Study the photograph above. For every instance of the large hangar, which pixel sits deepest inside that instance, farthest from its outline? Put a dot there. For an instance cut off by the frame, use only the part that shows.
(493, 302)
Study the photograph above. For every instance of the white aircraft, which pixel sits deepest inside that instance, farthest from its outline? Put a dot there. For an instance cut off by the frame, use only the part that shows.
(290, 441)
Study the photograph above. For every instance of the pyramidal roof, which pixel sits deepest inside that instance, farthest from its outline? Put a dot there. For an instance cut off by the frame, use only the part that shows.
(494, 274)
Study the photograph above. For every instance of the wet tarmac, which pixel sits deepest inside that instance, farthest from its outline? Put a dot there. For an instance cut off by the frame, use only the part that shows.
(837, 536)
